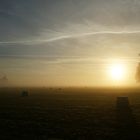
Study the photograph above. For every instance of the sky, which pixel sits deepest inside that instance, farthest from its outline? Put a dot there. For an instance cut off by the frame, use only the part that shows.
(68, 42)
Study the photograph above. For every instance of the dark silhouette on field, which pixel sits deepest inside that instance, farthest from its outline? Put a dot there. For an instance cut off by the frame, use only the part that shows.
(24, 93)
(126, 124)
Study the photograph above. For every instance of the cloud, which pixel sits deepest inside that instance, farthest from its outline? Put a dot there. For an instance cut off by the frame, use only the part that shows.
(47, 21)
(36, 41)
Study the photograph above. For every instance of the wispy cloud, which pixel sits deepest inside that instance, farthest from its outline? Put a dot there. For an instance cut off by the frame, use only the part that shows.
(40, 41)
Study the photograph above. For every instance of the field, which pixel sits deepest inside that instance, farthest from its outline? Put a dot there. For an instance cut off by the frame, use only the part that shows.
(69, 114)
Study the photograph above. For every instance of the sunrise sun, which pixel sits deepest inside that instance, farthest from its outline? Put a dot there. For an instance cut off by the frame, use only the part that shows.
(117, 71)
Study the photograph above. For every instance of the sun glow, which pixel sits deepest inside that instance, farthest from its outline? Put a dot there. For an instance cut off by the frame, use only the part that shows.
(117, 71)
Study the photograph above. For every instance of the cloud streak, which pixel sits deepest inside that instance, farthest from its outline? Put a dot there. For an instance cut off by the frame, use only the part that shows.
(40, 41)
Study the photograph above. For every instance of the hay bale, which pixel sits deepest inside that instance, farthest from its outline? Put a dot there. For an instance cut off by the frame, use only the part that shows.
(122, 101)
(24, 93)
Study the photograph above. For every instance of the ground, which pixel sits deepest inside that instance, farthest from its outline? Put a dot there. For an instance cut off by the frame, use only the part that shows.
(69, 114)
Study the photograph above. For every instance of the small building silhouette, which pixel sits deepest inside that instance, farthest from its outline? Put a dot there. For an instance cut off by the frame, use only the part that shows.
(122, 101)
(24, 93)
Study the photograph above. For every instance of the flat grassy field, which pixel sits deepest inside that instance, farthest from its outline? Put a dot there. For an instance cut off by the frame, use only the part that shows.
(69, 114)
